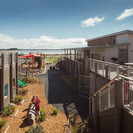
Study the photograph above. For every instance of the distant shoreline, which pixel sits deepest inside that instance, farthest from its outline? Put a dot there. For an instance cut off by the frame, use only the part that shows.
(29, 49)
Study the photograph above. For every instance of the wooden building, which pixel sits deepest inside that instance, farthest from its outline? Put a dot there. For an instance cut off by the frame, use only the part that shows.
(8, 77)
(107, 85)
(117, 45)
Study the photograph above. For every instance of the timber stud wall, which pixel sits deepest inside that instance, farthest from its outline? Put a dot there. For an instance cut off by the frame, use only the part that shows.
(8, 72)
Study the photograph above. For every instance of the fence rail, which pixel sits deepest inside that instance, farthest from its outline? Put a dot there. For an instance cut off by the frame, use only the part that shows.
(106, 98)
(113, 69)
(0, 61)
(127, 92)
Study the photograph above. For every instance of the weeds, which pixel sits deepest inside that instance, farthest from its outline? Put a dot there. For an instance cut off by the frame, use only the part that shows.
(17, 99)
(29, 79)
(42, 115)
(55, 111)
(8, 110)
(2, 123)
(35, 129)
(22, 91)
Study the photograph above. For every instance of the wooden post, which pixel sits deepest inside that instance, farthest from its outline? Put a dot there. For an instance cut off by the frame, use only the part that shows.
(16, 73)
(2, 83)
(95, 67)
(118, 106)
(11, 81)
(89, 65)
(64, 53)
(70, 55)
(77, 55)
(96, 114)
(74, 54)
(107, 71)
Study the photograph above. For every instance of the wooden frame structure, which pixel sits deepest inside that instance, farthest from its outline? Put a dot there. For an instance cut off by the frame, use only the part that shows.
(8, 77)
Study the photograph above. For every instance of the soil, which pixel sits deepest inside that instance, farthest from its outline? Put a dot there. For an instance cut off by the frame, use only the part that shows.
(53, 124)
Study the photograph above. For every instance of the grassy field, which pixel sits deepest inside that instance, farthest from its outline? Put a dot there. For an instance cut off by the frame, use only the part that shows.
(52, 59)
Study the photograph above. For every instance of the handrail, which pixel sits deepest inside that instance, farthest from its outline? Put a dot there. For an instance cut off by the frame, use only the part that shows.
(106, 85)
(125, 77)
(105, 62)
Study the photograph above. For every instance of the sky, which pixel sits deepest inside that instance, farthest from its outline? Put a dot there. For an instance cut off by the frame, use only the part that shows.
(61, 23)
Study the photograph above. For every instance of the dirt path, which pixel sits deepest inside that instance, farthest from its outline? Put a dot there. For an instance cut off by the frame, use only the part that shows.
(53, 124)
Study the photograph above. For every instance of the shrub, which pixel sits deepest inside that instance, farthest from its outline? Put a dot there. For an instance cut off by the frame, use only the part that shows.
(55, 111)
(35, 129)
(17, 99)
(32, 80)
(77, 130)
(22, 91)
(24, 79)
(42, 115)
(2, 123)
(29, 79)
(8, 110)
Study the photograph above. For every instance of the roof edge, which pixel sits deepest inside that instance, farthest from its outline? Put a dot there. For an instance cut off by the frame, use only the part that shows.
(113, 34)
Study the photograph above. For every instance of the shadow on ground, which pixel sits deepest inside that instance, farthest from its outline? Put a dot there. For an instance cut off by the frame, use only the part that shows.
(62, 96)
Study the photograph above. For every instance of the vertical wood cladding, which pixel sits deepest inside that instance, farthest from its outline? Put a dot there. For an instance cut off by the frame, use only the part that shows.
(102, 41)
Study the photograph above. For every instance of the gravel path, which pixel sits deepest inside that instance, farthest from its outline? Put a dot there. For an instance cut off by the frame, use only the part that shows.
(18, 123)
(60, 95)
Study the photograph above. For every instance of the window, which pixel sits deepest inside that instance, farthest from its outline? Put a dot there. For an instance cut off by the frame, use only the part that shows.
(123, 55)
(6, 90)
(95, 56)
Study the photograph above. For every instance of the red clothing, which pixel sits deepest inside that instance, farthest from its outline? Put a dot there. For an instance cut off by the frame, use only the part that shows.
(37, 105)
(38, 101)
(33, 100)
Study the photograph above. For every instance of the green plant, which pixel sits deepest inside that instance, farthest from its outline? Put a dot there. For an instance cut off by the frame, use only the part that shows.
(55, 111)
(24, 79)
(17, 99)
(42, 115)
(29, 79)
(2, 123)
(8, 110)
(32, 80)
(75, 130)
(22, 91)
(35, 129)
(39, 63)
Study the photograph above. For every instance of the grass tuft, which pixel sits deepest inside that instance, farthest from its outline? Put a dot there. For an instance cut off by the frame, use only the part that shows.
(55, 111)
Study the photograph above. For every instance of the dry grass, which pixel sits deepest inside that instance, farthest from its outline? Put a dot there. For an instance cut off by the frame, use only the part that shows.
(53, 124)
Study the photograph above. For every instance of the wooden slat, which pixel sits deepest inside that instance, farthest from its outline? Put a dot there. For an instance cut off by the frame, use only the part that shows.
(105, 86)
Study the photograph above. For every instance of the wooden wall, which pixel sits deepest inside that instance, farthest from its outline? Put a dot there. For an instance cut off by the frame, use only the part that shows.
(127, 122)
(102, 41)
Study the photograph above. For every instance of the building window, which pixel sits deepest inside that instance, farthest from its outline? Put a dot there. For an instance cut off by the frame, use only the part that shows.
(6, 90)
(95, 56)
(123, 55)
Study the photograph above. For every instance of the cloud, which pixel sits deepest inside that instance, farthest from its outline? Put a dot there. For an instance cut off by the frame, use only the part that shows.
(91, 21)
(43, 42)
(125, 14)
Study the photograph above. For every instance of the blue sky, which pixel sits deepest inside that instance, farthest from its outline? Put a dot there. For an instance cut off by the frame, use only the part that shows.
(61, 23)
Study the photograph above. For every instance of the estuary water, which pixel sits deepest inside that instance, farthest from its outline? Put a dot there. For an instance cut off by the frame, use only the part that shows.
(52, 51)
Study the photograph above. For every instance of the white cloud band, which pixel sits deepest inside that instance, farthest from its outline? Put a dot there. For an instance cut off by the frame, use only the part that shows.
(125, 14)
(91, 21)
(44, 42)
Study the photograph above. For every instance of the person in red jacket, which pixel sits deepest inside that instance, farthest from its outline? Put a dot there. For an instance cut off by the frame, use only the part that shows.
(37, 106)
(33, 100)
(103, 58)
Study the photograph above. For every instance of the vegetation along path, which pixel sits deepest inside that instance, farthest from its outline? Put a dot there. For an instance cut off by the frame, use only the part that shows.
(53, 124)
